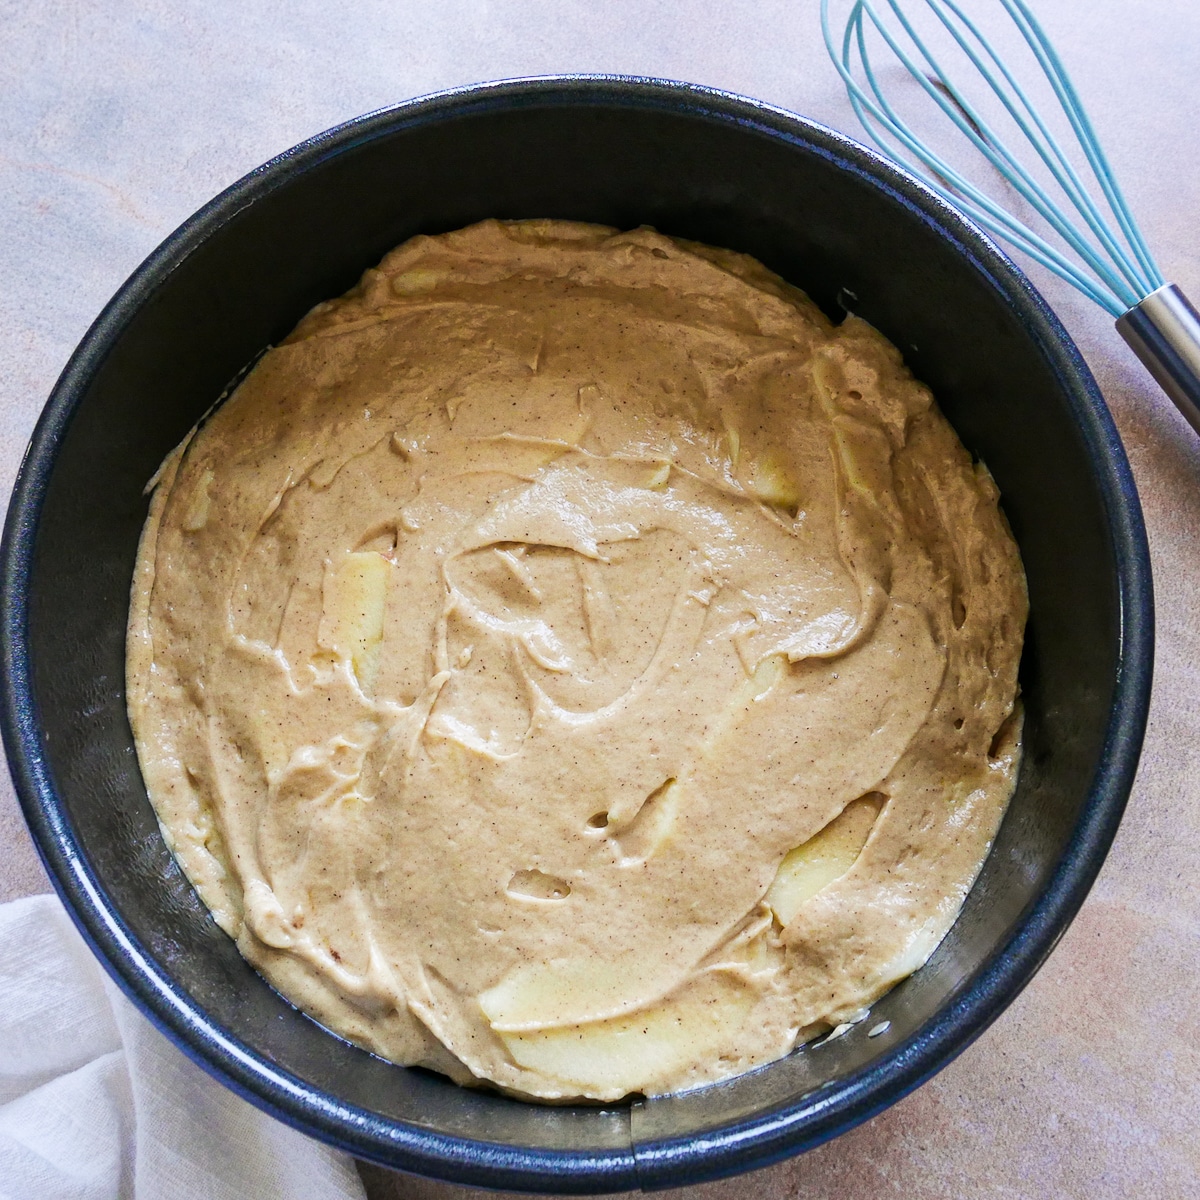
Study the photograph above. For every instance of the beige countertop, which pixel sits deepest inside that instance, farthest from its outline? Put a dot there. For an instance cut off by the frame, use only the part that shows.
(117, 120)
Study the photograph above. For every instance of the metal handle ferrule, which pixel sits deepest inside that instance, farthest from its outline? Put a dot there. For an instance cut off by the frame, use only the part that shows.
(1164, 332)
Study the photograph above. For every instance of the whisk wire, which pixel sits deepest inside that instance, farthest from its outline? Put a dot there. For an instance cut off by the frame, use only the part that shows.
(935, 170)
(1064, 89)
(973, 126)
(1043, 141)
(1113, 278)
(1107, 259)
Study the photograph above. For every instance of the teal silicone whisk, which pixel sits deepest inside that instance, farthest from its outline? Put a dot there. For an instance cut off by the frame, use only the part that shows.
(1104, 254)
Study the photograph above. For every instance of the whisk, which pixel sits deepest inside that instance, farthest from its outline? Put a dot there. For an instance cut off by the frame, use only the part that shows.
(1105, 256)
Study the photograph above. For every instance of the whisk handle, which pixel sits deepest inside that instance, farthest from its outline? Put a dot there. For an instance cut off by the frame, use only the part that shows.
(1164, 331)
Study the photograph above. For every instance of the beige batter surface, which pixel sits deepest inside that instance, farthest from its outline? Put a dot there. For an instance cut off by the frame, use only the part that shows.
(570, 662)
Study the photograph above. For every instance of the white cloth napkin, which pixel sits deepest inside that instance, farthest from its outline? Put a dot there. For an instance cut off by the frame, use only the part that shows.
(95, 1104)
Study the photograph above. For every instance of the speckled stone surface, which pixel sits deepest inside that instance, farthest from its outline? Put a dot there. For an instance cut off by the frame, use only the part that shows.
(117, 120)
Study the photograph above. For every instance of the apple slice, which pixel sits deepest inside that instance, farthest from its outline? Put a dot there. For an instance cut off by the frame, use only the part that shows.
(660, 475)
(548, 995)
(651, 825)
(774, 485)
(823, 858)
(352, 615)
(608, 1059)
(196, 516)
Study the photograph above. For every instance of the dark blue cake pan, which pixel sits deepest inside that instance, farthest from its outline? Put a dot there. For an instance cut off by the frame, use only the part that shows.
(827, 214)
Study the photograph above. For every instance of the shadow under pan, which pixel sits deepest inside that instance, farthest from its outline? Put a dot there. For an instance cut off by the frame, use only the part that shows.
(830, 217)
